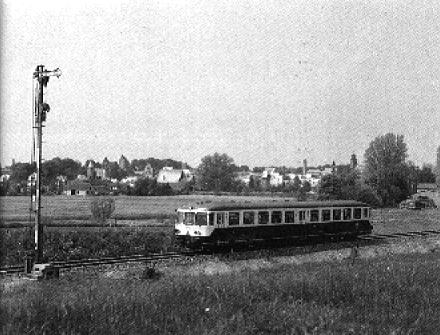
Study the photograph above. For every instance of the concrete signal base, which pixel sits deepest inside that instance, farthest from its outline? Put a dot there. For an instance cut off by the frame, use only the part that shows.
(45, 271)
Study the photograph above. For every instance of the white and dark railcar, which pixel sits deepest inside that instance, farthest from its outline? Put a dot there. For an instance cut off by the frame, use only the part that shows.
(232, 223)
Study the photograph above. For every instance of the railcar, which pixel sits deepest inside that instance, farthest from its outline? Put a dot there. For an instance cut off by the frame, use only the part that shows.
(230, 223)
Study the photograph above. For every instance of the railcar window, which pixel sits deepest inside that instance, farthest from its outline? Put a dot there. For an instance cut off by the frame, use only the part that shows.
(211, 219)
(248, 217)
(326, 215)
(337, 214)
(263, 217)
(314, 215)
(201, 219)
(347, 213)
(289, 217)
(302, 215)
(276, 217)
(189, 218)
(366, 213)
(357, 213)
(180, 217)
(234, 218)
(220, 219)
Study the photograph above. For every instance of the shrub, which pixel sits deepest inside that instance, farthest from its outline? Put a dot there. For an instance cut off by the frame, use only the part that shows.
(102, 209)
(369, 196)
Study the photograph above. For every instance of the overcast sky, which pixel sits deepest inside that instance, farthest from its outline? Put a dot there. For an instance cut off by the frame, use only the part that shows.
(267, 82)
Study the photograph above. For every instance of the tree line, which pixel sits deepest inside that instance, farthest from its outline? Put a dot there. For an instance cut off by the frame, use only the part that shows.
(70, 169)
(387, 177)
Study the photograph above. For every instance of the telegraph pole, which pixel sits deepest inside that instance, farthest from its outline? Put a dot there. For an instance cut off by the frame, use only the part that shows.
(40, 109)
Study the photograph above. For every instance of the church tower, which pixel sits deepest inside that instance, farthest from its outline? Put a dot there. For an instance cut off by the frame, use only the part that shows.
(353, 162)
(91, 173)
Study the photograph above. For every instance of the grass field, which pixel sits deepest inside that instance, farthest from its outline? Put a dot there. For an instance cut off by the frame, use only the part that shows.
(76, 209)
(388, 295)
(62, 241)
(126, 207)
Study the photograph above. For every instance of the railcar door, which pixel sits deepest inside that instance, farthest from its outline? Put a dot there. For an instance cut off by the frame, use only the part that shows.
(220, 235)
(221, 219)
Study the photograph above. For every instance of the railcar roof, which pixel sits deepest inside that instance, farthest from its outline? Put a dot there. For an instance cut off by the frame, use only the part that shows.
(227, 206)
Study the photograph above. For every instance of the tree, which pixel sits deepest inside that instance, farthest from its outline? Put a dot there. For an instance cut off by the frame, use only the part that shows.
(21, 171)
(149, 187)
(367, 195)
(216, 173)
(425, 174)
(254, 183)
(4, 185)
(143, 187)
(330, 187)
(115, 172)
(386, 171)
(437, 172)
(102, 209)
(50, 170)
(70, 168)
(258, 169)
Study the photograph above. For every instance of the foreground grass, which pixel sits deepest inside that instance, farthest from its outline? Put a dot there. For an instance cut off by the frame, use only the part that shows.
(400, 294)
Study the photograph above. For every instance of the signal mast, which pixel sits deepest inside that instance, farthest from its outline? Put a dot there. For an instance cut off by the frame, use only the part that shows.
(40, 109)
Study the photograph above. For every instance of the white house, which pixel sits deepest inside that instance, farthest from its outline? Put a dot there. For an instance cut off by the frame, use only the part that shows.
(130, 181)
(176, 178)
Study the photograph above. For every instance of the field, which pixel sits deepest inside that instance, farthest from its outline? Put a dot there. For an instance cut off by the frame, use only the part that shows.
(144, 223)
(385, 295)
(16, 209)
(76, 209)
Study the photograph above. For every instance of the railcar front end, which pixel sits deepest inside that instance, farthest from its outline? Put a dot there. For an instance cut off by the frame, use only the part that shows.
(193, 228)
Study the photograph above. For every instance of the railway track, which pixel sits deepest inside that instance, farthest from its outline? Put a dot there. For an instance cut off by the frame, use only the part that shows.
(372, 237)
(103, 261)
(173, 255)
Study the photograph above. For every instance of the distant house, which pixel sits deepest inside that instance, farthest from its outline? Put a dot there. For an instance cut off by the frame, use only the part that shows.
(426, 187)
(5, 174)
(130, 181)
(272, 178)
(176, 178)
(313, 174)
(79, 187)
(276, 179)
(245, 177)
(82, 187)
(145, 173)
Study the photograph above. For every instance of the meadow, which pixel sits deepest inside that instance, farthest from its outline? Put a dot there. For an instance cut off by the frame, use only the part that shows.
(387, 295)
(142, 224)
(67, 208)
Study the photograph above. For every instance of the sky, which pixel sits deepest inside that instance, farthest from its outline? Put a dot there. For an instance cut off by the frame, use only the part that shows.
(269, 83)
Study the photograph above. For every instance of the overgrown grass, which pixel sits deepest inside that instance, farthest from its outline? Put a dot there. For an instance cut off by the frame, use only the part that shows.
(396, 295)
(77, 243)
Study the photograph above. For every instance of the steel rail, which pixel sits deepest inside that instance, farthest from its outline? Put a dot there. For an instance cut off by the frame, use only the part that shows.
(103, 261)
